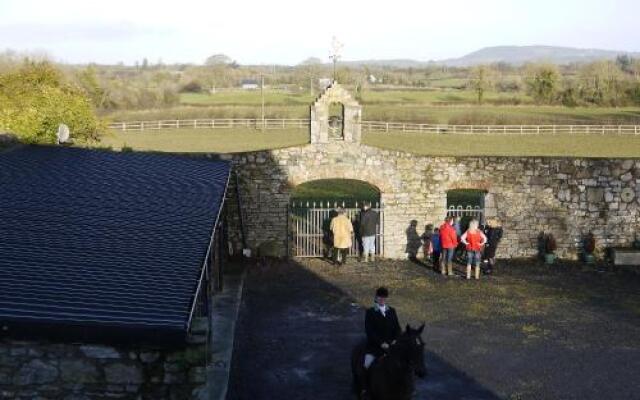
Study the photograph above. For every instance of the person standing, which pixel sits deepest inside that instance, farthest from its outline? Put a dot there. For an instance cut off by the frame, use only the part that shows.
(436, 249)
(368, 230)
(427, 247)
(449, 242)
(342, 230)
(493, 233)
(474, 240)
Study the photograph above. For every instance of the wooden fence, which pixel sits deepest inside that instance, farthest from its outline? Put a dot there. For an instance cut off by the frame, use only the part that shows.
(379, 126)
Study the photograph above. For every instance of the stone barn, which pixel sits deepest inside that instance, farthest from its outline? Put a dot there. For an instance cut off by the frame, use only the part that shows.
(108, 264)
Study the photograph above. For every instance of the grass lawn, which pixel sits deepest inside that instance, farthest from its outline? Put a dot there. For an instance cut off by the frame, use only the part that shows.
(248, 139)
(246, 97)
(408, 112)
(451, 106)
(206, 140)
(597, 146)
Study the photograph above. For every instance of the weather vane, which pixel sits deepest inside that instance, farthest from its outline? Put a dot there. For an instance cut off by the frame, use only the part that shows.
(335, 55)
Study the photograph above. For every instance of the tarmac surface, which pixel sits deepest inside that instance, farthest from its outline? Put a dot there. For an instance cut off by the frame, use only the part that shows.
(527, 332)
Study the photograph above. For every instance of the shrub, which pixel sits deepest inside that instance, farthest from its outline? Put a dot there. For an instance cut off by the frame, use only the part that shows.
(191, 87)
(34, 100)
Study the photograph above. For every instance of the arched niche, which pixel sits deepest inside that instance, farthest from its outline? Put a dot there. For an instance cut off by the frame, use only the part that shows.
(351, 116)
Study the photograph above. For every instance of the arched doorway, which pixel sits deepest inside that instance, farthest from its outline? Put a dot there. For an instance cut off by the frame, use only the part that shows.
(466, 204)
(315, 203)
(336, 121)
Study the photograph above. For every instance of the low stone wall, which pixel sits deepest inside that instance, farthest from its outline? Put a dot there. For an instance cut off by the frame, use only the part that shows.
(564, 196)
(40, 370)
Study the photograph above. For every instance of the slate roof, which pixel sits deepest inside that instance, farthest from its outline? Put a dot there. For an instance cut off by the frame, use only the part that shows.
(102, 243)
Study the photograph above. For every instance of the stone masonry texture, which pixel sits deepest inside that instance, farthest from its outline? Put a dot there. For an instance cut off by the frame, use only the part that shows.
(564, 196)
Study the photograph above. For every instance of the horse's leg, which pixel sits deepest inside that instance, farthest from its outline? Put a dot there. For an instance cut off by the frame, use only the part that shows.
(357, 369)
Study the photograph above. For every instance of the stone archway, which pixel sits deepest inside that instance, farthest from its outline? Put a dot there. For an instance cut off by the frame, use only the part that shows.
(351, 116)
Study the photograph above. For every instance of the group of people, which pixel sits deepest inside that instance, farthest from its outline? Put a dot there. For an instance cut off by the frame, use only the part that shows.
(341, 230)
(478, 244)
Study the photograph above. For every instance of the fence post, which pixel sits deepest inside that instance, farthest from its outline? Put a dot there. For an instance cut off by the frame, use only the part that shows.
(142, 126)
(387, 127)
(124, 127)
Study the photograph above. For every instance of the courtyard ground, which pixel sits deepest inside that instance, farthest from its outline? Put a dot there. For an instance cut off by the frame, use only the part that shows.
(528, 332)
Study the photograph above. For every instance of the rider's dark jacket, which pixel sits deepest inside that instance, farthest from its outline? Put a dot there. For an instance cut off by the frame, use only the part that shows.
(380, 328)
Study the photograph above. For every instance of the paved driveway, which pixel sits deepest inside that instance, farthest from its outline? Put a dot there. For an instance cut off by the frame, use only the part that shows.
(529, 332)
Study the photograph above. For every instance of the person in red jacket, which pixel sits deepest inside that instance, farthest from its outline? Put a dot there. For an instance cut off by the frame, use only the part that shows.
(474, 240)
(448, 242)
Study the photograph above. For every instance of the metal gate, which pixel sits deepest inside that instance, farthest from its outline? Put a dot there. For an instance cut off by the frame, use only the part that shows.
(466, 212)
(309, 224)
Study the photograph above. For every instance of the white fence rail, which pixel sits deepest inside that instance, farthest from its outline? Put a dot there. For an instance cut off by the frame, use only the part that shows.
(466, 211)
(379, 126)
(224, 123)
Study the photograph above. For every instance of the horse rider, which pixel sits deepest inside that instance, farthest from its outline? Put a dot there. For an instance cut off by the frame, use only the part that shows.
(382, 328)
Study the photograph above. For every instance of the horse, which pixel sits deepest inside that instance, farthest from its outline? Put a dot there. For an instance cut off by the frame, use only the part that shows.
(391, 376)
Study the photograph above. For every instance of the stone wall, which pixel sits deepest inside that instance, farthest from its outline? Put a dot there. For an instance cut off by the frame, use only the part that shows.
(564, 196)
(40, 370)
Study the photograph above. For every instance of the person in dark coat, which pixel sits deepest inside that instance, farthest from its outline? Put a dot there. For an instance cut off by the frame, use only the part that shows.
(493, 232)
(368, 229)
(382, 327)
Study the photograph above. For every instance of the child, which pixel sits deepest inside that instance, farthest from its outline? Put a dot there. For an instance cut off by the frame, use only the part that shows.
(427, 249)
(436, 248)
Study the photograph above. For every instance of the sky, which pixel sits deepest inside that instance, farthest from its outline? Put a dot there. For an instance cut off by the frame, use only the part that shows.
(289, 31)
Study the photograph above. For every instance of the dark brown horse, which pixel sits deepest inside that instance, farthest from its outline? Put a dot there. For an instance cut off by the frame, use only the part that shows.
(391, 377)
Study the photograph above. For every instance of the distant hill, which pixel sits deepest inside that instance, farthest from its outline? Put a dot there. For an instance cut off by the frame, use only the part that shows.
(515, 55)
(518, 55)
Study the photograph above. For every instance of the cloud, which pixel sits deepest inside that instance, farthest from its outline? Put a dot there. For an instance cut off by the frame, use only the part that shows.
(29, 34)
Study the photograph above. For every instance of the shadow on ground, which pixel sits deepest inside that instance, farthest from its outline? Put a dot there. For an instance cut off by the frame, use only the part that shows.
(294, 338)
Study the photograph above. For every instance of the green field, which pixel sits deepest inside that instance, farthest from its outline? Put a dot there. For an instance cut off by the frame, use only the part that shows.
(205, 140)
(425, 106)
(247, 139)
(414, 97)
(597, 146)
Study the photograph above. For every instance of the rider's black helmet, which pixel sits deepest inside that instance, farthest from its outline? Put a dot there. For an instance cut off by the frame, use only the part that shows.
(382, 292)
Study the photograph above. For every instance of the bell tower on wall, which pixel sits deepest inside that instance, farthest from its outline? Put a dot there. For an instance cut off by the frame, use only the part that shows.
(336, 116)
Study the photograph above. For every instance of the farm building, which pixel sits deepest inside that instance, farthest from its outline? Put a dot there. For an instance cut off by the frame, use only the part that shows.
(249, 84)
(108, 264)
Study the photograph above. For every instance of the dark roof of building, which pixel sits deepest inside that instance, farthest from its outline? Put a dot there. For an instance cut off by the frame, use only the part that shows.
(104, 243)
(249, 82)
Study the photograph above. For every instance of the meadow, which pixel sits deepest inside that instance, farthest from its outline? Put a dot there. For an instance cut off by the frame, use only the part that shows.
(249, 139)
(442, 106)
